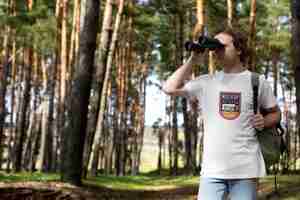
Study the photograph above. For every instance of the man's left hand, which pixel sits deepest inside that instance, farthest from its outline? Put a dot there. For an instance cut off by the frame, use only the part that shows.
(258, 122)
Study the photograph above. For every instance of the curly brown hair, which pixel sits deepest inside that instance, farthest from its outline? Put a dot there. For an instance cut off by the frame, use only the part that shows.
(240, 41)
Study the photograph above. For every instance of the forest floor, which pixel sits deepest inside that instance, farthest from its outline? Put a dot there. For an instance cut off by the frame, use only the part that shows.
(289, 189)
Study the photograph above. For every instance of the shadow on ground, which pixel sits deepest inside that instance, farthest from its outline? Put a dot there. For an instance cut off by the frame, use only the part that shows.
(62, 191)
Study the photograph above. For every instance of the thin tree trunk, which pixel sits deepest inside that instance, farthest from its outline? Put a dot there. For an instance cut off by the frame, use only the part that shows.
(12, 106)
(46, 146)
(174, 135)
(275, 58)
(28, 142)
(64, 52)
(104, 91)
(199, 27)
(63, 67)
(35, 143)
(230, 12)
(74, 36)
(28, 151)
(98, 82)
(252, 35)
(3, 84)
(141, 102)
(24, 104)
(21, 126)
(57, 78)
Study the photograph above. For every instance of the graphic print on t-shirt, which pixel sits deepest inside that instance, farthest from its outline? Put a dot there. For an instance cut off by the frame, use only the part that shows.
(230, 105)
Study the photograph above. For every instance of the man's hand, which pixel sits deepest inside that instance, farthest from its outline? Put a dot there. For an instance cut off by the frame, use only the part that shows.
(258, 121)
(195, 58)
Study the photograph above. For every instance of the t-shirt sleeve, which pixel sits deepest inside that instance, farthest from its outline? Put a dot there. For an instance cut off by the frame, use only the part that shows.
(194, 88)
(267, 98)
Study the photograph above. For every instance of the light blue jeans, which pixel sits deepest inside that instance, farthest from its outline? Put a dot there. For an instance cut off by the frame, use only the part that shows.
(233, 189)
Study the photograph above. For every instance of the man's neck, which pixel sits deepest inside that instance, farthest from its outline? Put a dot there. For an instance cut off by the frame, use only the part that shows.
(236, 67)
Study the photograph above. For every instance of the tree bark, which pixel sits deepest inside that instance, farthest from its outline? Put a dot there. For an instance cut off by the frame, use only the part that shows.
(295, 9)
(199, 27)
(252, 35)
(229, 12)
(74, 134)
(5, 62)
(74, 36)
(98, 82)
(108, 72)
(63, 67)
(21, 126)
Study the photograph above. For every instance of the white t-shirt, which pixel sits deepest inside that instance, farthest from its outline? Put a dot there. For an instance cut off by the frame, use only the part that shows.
(231, 149)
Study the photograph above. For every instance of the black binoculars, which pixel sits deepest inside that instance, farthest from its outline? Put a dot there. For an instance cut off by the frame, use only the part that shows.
(204, 43)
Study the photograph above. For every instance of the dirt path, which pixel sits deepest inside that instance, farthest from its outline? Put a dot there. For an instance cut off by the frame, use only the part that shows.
(62, 191)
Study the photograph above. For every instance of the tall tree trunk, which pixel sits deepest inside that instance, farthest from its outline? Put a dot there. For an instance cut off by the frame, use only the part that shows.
(64, 73)
(24, 104)
(57, 83)
(74, 134)
(63, 67)
(230, 9)
(186, 114)
(275, 58)
(35, 143)
(12, 105)
(29, 140)
(74, 37)
(199, 27)
(108, 143)
(104, 91)
(98, 82)
(28, 151)
(160, 146)
(141, 125)
(295, 9)
(193, 114)
(170, 141)
(252, 35)
(174, 135)
(3, 82)
(21, 126)
(46, 146)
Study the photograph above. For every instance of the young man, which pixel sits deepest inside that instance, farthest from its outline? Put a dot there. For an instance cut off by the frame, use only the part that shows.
(232, 159)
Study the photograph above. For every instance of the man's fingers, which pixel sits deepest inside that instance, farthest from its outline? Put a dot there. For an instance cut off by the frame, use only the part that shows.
(258, 121)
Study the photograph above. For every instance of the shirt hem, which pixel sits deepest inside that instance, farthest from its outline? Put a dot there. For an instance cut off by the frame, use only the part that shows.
(232, 176)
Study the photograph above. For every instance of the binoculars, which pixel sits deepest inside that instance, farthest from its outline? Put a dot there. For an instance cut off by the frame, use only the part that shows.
(204, 43)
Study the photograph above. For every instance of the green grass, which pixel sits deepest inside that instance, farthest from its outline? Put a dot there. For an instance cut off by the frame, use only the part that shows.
(140, 182)
(26, 176)
(144, 182)
(289, 185)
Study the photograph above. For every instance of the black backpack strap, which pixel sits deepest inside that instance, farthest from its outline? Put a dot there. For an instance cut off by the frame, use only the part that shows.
(255, 86)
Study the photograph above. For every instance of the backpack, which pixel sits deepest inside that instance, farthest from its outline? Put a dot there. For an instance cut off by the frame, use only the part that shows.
(271, 139)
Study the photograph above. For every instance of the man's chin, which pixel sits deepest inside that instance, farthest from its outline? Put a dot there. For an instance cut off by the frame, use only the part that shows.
(219, 60)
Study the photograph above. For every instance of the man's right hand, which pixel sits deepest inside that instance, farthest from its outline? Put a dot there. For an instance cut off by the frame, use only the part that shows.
(195, 58)
(174, 84)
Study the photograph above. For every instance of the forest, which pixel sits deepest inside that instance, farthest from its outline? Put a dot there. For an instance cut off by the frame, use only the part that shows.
(74, 76)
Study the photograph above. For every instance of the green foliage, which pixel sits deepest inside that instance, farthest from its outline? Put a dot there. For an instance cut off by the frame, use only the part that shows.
(145, 23)
(44, 35)
(36, 28)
